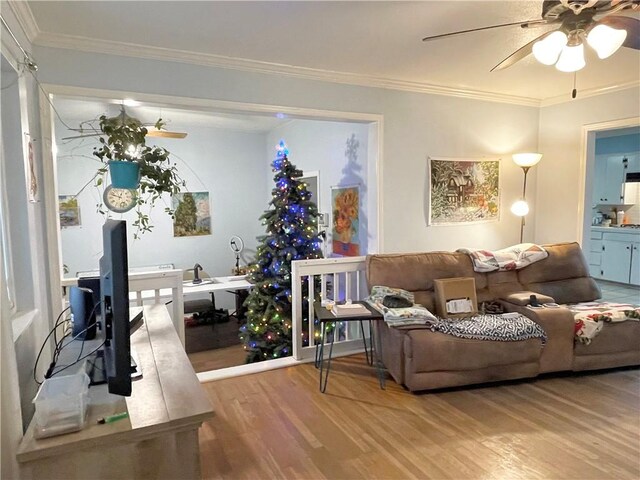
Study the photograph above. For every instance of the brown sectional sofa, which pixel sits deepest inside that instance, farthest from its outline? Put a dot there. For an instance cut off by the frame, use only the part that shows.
(421, 359)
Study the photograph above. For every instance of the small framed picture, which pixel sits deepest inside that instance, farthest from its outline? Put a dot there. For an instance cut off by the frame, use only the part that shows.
(69, 211)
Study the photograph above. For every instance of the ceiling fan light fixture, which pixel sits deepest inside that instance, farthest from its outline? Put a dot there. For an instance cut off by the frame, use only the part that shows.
(606, 40)
(572, 55)
(548, 49)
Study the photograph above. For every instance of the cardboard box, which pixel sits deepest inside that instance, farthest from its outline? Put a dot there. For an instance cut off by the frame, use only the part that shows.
(448, 289)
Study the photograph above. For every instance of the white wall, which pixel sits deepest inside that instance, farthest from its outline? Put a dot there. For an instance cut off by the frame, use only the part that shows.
(229, 164)
(415, 126)
(560, 136)
(321, 146)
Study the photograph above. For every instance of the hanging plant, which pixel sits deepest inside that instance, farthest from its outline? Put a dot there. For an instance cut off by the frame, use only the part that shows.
(123, 144)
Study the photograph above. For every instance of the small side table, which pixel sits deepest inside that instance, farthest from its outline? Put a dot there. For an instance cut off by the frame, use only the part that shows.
(325, 316)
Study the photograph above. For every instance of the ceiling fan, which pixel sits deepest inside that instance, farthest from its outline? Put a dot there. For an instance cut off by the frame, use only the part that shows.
(579, 21)
(153, 130)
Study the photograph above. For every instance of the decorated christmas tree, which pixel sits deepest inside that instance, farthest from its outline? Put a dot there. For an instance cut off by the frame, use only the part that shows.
(292, 234)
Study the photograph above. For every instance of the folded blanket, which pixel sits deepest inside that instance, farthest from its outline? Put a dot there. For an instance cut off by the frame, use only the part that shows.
(416, 315)
(590, 317)
(394, 317)
(511, 258)
(492, 327)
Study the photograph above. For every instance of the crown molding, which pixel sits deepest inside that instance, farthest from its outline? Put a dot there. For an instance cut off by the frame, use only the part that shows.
(72, 42)
(25, 18)
(109, 47)
(591, 92)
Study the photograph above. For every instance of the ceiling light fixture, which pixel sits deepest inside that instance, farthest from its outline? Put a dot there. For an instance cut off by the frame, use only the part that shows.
(606, 40)
(567, 51)
(548, 49)
(572, 55)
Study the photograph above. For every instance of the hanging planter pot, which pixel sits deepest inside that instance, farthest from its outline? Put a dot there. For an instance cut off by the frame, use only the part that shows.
(124, 174)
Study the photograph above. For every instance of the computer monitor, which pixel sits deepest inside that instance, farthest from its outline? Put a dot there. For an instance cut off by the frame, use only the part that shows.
(114, 294)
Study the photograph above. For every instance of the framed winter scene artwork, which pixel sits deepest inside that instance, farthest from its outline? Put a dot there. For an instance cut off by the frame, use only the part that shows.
(463, 191)
(192, 214)
(345, 208)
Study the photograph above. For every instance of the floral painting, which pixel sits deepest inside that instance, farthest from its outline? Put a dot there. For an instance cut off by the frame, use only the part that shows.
(193, 215)
(345, 207)
(69, 211)
(463, 191)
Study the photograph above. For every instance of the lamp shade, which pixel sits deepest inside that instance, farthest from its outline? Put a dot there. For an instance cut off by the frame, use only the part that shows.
(520, 208)
(606, 40)
(526, 159)
(548, 49)
(571, 58)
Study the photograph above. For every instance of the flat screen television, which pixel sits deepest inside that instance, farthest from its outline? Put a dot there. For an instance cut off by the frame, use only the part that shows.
(114, 294)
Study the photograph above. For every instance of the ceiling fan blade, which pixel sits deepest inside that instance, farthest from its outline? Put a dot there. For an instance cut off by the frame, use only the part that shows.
(150, 133)
(86, 135)
(630, 24)
(519, 54)
(525, 24)
(165, 134)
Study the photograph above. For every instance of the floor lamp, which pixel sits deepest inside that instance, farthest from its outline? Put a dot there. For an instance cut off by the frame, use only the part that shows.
(521, 207)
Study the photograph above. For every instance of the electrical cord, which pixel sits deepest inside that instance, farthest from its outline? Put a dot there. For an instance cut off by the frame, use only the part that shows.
(95, 322)
(87, 328)
(78, 360)
(55, 327)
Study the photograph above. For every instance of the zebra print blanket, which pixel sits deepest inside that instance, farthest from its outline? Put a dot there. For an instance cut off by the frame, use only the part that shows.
(491, 327)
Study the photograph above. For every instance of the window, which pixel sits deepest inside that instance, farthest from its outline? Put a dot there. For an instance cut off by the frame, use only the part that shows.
(14, 214)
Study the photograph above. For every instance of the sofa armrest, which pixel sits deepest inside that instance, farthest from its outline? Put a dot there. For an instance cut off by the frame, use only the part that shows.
(524, 298)
(558, 323)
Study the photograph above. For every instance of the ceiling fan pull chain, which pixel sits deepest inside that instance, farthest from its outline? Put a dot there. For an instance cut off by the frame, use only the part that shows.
(574, 92)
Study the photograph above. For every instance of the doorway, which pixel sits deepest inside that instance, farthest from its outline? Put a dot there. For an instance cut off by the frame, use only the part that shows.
(287, 121)
(611, 152)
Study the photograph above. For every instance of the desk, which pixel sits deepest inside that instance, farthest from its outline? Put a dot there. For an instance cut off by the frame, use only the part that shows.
(324, 316)
(160, 437)
(214, 284)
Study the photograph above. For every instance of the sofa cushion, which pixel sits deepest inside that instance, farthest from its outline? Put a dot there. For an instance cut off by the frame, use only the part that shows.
(565, 260)
(416, 271)
(572, 290)
(432, 351)
(426, 299)
(613, 338)
(563, 275)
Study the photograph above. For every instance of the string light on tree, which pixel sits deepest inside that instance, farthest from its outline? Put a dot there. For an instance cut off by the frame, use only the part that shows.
(291, 234)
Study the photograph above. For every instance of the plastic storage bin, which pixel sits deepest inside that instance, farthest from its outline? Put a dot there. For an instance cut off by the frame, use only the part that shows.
(61, 405)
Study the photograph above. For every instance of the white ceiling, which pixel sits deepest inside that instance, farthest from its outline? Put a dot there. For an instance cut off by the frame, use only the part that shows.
(373, 41)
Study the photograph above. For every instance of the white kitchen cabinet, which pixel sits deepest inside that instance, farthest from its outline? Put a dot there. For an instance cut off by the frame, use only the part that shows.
(633, 162)
(634, 278)
(595, 254)
(616, 261)
(609, 177)
(619, 258)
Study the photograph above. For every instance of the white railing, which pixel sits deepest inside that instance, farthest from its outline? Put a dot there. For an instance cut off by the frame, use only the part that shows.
(153, 287)
(340, 279)
(159, 286)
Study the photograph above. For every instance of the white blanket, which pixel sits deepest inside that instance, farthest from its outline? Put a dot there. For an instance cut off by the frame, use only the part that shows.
(511, 258)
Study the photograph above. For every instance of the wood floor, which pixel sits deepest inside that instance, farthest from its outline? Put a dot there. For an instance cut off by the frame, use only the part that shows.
(278, 425)
(218, 358)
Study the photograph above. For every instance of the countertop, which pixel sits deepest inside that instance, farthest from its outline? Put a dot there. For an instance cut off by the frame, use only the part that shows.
(616, 229)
